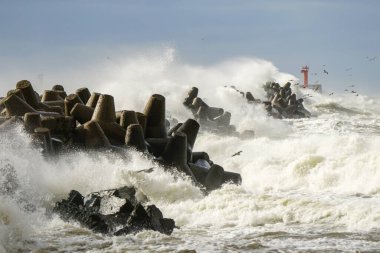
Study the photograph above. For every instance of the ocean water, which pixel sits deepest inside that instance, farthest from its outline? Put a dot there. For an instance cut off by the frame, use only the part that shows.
(309, 185)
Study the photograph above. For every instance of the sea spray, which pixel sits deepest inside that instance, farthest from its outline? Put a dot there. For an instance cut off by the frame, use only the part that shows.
(308, 184)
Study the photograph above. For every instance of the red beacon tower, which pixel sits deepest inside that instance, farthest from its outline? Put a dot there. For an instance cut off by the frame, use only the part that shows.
(305, 71)
(315, 87)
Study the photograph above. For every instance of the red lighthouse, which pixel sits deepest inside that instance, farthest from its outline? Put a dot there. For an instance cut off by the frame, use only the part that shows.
(305, 71)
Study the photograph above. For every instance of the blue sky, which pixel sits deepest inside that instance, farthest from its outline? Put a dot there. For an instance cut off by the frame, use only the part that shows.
(50, 34)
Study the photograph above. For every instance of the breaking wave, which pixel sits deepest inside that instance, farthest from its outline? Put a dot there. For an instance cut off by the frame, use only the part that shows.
(320, 173)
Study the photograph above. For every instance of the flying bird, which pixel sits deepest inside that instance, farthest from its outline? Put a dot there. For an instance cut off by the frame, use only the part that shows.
(237, 153)
(345, 90)
(150, 170)
(332, 93)
(325, 71)
(351, 86)
(348, 69)
(372, 59)
(353, 91)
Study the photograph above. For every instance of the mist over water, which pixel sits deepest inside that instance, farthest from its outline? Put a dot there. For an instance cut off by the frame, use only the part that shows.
(308, 184)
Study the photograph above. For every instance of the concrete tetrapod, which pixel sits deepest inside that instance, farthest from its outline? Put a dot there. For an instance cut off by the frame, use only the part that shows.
(233, 177)
(17, 92)
(141, 118)
(93, 100)
(156, 146)
(175, 154)
(190, 128)
(84, 94)
(60, 103)
(211, 178)
(174, 129)
(223, 120)
(94, 136)
(63, 125)
(197, 103)
(128, 118)
(51, 95)
(213, 112)
(59, 90)
(155, 117)
(58, 87)
(193, 93)
(135, 137)
(70, 101)
(43, 138)
(105, 109)
(32, 120)
(105, 115)
(29, 94)
(15, 106)
(82, 113)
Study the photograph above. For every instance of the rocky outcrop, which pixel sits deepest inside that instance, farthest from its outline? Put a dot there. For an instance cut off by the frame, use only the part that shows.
(113, 212)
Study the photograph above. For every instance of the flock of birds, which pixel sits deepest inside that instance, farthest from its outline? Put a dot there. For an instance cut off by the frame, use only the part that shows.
(370, 59)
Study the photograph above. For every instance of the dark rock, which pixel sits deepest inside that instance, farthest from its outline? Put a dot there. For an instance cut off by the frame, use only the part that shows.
(158, 222)
(139, 218)
(76, 198)
(126, 193)
(167, 226)
(114, 212)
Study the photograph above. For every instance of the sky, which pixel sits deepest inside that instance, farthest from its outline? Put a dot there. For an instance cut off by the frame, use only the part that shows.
(42, 37)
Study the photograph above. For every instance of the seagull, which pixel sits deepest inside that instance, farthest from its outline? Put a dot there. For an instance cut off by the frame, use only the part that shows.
(332, 93)
(353, 91)
(372, 59)
(325, 71)
(150, 170)
(237, 153)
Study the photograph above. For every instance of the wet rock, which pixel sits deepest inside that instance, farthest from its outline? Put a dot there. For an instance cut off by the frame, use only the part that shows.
(75, 198)
(113, 212)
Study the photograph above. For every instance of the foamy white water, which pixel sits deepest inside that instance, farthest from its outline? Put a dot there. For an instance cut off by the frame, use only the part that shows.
(309, 185)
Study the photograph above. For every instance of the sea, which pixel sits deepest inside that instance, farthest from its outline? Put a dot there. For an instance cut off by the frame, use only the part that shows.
(308, 185)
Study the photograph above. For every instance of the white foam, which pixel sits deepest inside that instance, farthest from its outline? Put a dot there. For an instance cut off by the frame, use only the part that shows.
(322, 171)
